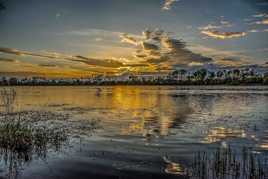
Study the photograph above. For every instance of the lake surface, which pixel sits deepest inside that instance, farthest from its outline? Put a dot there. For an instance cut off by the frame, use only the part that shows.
(141, 130)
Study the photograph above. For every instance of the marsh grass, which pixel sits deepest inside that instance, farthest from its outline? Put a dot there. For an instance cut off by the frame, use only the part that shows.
(227, 163)
(20, 142)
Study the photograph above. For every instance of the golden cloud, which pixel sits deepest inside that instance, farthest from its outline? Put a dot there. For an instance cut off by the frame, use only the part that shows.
(223, 35)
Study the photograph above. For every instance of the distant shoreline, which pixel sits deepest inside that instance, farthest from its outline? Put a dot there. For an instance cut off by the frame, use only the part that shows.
(40, 85)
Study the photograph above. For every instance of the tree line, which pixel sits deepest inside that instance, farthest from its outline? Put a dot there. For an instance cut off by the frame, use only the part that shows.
(177, 77)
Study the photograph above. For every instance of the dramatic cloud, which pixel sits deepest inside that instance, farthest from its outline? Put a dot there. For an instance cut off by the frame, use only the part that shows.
(168, 4)
(160, 50)
(223, 35)
(179, 54)
(152, 51)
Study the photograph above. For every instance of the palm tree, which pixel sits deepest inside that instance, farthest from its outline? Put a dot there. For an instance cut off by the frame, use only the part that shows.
(212, 75)
(200, 74)
(236, 73)
(182, 72)
(219, 74)
(174, 74)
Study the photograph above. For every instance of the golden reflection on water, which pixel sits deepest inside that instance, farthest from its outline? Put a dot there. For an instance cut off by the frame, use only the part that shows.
(145, 110)
(220, 133)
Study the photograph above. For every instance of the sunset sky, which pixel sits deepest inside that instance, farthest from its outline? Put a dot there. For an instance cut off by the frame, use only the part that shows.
(84, 37)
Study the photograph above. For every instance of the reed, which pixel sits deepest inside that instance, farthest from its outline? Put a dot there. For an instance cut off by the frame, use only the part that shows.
(227, 163)
(20, 142)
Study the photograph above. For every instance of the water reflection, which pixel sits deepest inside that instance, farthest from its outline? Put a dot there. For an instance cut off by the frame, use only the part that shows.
(159, 111)
(152, 120)
(221, 133)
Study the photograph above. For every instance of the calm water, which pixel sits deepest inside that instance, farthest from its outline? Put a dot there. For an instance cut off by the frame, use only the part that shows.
(140, 127)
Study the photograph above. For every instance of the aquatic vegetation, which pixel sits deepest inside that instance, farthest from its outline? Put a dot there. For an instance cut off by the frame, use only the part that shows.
(227, 163)
(222, 163)
(32, 135)
(20, 142)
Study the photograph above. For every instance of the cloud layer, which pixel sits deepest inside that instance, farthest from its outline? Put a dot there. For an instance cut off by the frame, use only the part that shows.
(154, 50)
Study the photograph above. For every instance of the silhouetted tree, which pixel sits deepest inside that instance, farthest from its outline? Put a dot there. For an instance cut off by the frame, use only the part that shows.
(182, 72)
(236, 73)
(211, 75)
(174, 74)
(200, 74)
(219, 74)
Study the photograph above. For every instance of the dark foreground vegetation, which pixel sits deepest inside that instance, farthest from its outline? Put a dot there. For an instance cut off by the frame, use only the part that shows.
(223, 163)
(20, 143)
(230, 163)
